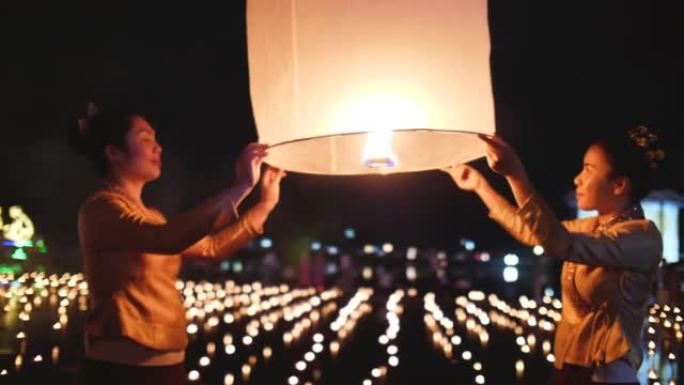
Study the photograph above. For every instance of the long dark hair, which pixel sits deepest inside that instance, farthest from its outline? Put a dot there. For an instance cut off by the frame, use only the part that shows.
(88, 137)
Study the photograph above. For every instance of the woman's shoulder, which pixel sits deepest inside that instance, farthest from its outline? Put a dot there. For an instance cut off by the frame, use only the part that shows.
(645, 226)
(114, 202)
(105, 195)
(103, 199)
(581, 224)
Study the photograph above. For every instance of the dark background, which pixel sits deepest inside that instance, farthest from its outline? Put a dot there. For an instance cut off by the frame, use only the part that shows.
(563, 73)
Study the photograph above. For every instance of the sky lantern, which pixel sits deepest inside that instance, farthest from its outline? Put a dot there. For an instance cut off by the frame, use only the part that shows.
(370, 86)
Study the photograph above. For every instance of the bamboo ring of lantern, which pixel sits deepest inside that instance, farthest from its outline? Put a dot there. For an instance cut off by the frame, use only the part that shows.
(366, 86)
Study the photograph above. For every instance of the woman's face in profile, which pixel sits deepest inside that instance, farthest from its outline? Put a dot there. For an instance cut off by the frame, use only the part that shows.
(143, 158)
(594, 184)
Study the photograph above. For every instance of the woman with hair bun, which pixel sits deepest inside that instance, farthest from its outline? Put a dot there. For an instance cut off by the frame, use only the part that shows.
(135, 332)
(610, 260)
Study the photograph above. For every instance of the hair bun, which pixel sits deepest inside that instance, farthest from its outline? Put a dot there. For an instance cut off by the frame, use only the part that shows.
(647, 141)
(77, 137)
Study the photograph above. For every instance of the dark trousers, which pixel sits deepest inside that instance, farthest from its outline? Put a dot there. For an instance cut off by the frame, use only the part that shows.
(97, 372)
(576, 375)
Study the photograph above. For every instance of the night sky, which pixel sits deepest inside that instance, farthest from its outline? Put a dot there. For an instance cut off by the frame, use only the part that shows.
(562, 73)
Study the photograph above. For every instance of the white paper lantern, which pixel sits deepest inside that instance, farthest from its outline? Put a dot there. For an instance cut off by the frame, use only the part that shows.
(364, 86)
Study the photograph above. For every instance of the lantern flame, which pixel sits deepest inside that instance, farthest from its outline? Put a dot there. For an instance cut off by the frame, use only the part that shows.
(378, 152)
(380, 115)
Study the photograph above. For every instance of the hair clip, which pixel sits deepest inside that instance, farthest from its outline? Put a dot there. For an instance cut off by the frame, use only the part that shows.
(644, 138)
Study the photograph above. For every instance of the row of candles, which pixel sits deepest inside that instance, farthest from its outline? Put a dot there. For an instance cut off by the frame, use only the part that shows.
(387, 340)
(303, 316)
(531, 322)
(444, 337)
(263, 310)
(342, 328)
(217, 311)
(22, 296)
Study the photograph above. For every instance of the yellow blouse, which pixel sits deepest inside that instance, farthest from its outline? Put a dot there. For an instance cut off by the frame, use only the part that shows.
(132, 261)
(606, 283)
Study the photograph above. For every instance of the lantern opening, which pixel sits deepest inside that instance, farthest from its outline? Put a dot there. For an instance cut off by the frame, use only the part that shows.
(417, 149)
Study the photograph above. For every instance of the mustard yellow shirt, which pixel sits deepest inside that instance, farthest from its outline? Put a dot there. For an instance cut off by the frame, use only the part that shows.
(131, 263)
(606, 280)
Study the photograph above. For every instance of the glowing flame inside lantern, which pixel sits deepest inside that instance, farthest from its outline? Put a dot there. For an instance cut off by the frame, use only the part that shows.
(378, 152)
(327, 75)
(380, 115)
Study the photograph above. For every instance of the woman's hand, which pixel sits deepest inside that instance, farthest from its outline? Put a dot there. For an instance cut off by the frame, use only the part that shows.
(248, 165)
(466, 177)
(502, 158)
(270, 195)
(270, 186)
